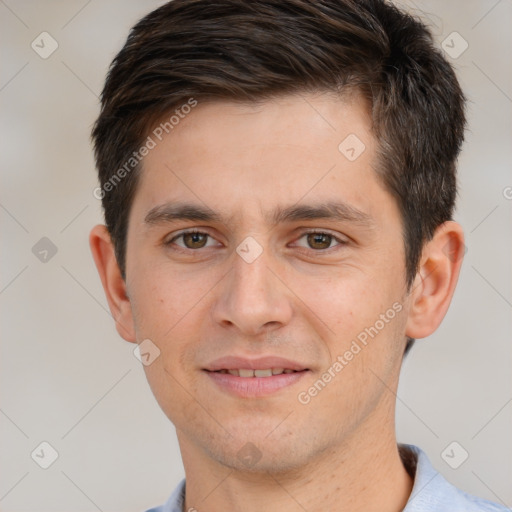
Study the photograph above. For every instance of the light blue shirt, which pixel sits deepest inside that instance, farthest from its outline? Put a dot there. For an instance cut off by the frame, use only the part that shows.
(430, 492)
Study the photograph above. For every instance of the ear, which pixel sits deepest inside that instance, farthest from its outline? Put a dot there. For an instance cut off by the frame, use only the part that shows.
(113, 283)
(434, 285)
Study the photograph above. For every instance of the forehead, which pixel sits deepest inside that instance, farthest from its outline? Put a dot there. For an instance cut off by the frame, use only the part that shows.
(250, 157)
(306, 121)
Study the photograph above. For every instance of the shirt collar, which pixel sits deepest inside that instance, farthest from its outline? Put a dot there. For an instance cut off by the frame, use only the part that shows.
(430, 492)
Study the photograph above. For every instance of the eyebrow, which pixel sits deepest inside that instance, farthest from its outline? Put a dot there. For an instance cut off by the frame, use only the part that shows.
(333, 210)
(170, 212)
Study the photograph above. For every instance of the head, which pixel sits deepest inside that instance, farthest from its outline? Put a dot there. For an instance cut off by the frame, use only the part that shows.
(262, 119)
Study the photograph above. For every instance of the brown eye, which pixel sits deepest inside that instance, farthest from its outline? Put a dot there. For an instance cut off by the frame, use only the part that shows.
(191, 240)
(194, 240)
(319, 240)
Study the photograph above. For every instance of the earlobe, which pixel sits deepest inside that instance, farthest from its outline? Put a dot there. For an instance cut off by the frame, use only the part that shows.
(113, 283)
(438, 272)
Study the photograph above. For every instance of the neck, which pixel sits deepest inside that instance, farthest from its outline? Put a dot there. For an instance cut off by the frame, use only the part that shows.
(361, 474)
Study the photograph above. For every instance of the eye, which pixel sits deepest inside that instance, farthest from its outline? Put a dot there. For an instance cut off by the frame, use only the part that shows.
(320, 241)
(192, 240)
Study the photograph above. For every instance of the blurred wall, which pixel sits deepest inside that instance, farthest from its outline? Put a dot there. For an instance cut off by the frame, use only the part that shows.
(68, 379)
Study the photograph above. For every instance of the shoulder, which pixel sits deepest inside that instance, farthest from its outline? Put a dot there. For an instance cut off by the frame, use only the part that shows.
(175, 501)
(433, 493)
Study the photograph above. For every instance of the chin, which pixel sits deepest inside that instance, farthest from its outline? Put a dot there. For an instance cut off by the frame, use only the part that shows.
(259, 448)
(268, 459)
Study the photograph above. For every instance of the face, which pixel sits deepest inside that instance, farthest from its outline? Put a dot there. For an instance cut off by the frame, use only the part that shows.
(266, 263)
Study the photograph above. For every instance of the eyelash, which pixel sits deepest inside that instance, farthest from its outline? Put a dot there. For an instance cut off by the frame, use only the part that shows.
(182, 234)
(303, 234)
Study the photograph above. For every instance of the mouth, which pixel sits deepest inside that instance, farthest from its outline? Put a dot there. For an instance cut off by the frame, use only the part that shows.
(248, 373)
(251, 378)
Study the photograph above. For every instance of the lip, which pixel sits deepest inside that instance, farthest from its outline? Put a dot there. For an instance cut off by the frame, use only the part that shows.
(261, 363)
(253, 387)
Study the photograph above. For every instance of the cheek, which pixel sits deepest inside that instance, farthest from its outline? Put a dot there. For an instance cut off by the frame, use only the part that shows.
(360, 315)
(344, 304)
(162, 297)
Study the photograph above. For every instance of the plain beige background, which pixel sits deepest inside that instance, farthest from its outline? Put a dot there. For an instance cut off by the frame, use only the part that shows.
(69, 380)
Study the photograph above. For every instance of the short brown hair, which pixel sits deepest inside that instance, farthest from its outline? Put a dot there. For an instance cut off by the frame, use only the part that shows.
(251, 50)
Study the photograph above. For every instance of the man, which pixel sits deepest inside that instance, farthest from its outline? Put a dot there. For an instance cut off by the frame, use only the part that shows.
(278, 180)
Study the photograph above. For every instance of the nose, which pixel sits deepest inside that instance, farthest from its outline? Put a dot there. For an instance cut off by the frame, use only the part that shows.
(253, 299)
